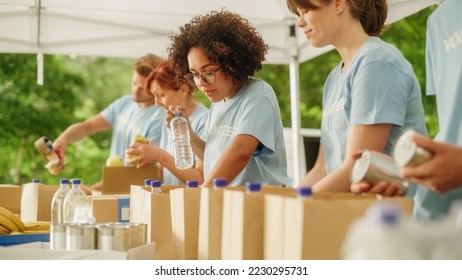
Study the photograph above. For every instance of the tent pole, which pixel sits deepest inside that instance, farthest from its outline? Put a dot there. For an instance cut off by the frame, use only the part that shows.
(295, 106)
(38, 44)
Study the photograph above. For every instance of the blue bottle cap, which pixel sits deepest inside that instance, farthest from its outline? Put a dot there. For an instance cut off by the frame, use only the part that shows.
(35, 180)
(304, 191)
(64, 181)
(76, 181)
(155, 183)
(220, 182)
(253, 186)
(192, 184)
(147, 182)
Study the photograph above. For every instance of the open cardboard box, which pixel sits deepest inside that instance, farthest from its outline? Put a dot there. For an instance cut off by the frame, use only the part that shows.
(117, 180)
(10, 197)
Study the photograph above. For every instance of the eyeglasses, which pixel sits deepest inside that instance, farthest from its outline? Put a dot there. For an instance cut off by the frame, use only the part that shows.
(208, 77)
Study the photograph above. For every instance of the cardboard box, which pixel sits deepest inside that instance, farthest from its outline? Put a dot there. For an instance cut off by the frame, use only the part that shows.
(36, 202)
(10, 197)
(297, 229)
(117, 180)
(41, 251)
(111, 208)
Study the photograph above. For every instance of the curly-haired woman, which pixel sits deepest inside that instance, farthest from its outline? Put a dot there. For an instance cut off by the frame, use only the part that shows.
(219, 53)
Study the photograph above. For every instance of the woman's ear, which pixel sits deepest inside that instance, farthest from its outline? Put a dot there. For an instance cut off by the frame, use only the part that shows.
(339, 5)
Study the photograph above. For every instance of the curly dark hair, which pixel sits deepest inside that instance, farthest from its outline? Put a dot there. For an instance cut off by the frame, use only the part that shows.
(226, 39)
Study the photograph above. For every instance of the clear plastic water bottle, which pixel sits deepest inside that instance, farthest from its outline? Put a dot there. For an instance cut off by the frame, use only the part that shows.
(58, 201)
(155, 187)
(219, 183)
(252, 187)
(77, 206)
(384, 233)
(184, 157)
(192, 184)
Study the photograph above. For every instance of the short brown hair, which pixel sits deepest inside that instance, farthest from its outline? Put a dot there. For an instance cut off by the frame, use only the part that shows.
(145, 64)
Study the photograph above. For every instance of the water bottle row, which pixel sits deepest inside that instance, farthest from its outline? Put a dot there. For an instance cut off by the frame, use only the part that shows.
(101, 236)
(70, 204)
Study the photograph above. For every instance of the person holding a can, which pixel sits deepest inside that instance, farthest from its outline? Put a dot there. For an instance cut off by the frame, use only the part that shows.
(219, 53)
(369, 97)
(440, 177)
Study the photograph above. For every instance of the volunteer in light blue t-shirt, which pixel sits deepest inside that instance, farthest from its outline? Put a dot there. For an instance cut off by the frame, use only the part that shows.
(254, 111)
(444, 79)
(219, 53)
(368, 99)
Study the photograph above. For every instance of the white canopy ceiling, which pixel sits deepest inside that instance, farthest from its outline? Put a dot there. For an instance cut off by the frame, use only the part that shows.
(132, 28)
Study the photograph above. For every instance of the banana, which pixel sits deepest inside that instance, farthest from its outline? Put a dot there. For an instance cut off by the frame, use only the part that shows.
(40, 226)
(10, 221)
(4, 230)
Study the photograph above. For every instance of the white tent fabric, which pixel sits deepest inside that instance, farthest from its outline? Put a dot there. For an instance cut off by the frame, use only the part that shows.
(132, 28)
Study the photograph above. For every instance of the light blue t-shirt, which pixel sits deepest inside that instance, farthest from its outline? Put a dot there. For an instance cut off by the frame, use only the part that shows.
(379, 87)
(444, 78)
(128, 119)
(254, 110)
(197, 120)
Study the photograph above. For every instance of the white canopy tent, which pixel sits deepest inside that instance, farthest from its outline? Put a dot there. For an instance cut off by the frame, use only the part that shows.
(116, 28)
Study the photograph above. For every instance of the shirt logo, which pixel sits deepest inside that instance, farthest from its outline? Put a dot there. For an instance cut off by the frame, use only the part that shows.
(335, 107)
(223, 130)
(453, 41)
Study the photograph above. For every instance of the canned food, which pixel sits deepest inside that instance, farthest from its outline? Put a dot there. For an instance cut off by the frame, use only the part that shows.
(80, 236)
(58, 236)
(112, 237)
(406, 152)
(375, 167)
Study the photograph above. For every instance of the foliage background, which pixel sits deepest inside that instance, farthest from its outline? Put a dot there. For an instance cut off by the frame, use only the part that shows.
(75, 89)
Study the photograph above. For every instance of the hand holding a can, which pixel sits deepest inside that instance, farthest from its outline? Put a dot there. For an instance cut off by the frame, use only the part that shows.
(374, 172)
(442, 172)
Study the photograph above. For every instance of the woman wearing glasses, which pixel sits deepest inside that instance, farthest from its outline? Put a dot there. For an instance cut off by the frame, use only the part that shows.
(219, 53)
(167, 92)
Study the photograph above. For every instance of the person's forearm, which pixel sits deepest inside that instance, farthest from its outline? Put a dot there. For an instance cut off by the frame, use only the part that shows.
(197, 145)
(337, 181)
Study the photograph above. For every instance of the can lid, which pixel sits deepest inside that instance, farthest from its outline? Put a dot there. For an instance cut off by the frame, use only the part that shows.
(253, 186)
(360, 166)
(192, 184)
(404, 148)
(220, 182)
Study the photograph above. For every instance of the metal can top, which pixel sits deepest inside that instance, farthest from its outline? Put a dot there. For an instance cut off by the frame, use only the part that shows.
(404, 148)
(360, 166)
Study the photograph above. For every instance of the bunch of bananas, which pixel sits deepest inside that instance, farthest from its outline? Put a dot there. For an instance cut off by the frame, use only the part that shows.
(11, 224)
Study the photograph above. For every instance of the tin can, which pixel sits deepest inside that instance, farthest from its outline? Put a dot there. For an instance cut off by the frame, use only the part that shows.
(45, 148)
(58, 236)
(406, 152)
(112, 237)
(80, 236)
(375, 167)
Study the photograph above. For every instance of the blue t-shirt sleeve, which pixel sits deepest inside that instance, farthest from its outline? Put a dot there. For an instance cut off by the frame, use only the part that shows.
(257, 119)
(109, 114)
(379, 94)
